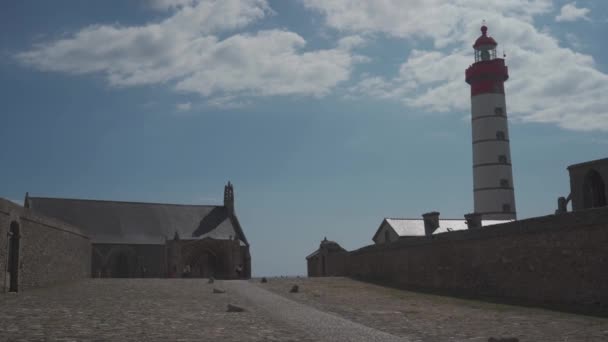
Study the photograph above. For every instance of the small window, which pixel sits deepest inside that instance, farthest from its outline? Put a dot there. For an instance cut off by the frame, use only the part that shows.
(387, 236)
(500, 135)
(502, 159)
(506, 208)
(504, 183)
(498, 111)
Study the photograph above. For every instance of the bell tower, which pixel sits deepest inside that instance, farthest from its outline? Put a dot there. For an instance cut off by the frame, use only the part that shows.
(229, 198)
(493, 189)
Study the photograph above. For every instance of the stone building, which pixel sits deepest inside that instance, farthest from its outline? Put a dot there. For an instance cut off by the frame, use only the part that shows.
(317, 260)
(588, 184)
(393, 229)
(134, 239)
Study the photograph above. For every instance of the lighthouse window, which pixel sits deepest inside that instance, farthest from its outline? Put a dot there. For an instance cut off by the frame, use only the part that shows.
(500, 135)
(504, 183)
(502, 159)
(498, 111)
(506, 208)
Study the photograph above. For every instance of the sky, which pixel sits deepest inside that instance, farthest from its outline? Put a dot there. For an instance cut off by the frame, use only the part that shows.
(326, 115)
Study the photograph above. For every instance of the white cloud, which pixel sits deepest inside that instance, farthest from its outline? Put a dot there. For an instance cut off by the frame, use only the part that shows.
(185, 52)
(228, 102)
(351, 42)
(184, 107)
(570, 12)
(171, 4)
(549, 83)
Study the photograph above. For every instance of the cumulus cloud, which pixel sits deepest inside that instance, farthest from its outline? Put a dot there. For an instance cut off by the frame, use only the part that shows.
(570, 12)
(549, 83)
(185, 52)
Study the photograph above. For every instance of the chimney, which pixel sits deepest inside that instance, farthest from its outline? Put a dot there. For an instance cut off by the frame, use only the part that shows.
(473, 220)
(431, 222)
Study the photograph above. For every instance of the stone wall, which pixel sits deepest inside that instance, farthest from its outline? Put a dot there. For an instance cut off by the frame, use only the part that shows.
(129, 261)
(50, 251)
(557, 260)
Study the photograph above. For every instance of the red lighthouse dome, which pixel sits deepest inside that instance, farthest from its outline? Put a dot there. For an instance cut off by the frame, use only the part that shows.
(484, 40)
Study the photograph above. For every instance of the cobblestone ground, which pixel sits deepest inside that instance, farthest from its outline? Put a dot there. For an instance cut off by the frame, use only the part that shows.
(423, 317)
(136, 310)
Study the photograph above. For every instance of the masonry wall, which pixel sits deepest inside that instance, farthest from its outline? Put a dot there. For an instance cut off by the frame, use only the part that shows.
(129, 260)
(50, 251)
(557, 260)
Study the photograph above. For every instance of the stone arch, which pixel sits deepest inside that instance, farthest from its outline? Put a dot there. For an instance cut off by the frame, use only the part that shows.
(14, 242)
(594, 190)
(204, 263)
(121, 262)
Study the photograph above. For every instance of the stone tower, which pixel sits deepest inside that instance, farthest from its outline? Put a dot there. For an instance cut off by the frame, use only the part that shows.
(229, 198)
(492, 175)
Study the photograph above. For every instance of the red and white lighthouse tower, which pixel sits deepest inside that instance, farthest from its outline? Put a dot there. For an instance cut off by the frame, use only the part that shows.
(492, 175)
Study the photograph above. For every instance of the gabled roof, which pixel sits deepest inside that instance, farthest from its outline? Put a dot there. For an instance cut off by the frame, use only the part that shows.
(415, 227)
(141, 223)
(313, 254)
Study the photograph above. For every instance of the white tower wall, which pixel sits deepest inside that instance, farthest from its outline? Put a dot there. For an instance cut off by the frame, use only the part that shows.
(492, 175)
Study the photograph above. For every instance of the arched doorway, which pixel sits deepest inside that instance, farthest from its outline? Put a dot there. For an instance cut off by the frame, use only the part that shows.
(594, 190)
(121, 263)
(204, 264)
(13, 256)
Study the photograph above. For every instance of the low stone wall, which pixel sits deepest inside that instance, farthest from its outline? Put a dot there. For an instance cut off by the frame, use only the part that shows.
(557, 260)
(50, 251)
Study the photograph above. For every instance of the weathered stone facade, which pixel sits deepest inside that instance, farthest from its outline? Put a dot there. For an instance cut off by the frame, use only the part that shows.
(588, 188)
(557, 260)
(328, 260)
(128, 261)
(224, 259)
(43, 251)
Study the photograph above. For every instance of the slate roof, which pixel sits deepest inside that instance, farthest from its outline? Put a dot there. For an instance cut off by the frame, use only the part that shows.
(141, 223)
(415, 227)
(331, 246)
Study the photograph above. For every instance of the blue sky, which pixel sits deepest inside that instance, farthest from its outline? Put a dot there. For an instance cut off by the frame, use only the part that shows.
(326, 115)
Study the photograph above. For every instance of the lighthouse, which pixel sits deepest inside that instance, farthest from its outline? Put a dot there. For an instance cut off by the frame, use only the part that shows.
(493, 192)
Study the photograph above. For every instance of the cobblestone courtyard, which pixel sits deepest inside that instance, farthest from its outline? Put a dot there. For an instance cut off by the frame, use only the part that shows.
(186, 310)
(135, 310)
(424, 317)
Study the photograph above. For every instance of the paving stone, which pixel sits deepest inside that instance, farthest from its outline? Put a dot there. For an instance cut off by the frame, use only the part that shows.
(425, 317)
(135, 310)
(234, 308)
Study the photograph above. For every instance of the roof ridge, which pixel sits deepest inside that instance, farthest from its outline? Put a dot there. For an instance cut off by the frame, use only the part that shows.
(128, 202)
